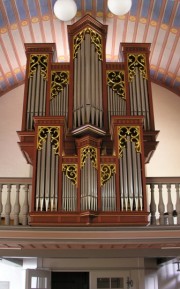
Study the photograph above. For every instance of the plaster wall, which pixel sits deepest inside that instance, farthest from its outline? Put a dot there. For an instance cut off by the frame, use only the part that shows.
(126, 268)
(12, 163)
(168, 276)
(165, 161)
(9, 274)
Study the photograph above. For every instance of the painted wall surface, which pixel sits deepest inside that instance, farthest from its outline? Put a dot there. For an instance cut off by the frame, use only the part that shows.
(126, 268)
(10, 273)
(168, 277)
(12, 164)
(165, 161)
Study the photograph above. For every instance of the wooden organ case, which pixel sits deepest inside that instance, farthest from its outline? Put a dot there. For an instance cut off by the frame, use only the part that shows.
(88, 130)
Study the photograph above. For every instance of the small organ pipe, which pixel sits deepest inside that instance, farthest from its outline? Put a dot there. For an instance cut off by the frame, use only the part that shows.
(129, 167)
(38, 174)
(56, 180)
(42, 96)
(37, 91)
(100, 92)
(52, 178)
(32, 109)
(28, 126)
(93, 86)
(108, 195)
(135, 171)
(124, 165)
(146, 104)
(42, 178)
(79, 101)
(121, 184)
(48, 168)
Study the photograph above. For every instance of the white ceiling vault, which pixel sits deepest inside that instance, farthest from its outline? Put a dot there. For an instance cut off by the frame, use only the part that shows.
(33, 21)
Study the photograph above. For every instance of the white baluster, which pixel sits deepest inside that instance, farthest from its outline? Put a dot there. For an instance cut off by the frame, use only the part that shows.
(1, 205)
(8, 205)
(177, 203)
(169, 205)
(161, 207)
(25, 207)
(17, 206)
(152, 206)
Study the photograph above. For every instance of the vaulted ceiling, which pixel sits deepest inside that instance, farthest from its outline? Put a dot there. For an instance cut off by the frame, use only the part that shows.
(33, 21)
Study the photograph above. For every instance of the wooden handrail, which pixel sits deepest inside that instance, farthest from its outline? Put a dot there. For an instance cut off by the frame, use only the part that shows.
(149, 180)
(14, 181)
(163, 180)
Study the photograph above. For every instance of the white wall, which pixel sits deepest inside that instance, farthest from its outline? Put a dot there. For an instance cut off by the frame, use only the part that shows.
(165, 161)
(169, 277)
(10, 273)
(100, 268)
(12, 163)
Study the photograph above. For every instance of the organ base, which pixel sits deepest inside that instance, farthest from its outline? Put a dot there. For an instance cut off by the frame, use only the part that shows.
(90, 218)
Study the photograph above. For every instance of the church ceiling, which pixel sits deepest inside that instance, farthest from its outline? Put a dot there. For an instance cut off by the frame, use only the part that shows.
(32, 21)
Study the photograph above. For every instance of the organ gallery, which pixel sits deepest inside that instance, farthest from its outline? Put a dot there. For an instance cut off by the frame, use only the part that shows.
(88, 130)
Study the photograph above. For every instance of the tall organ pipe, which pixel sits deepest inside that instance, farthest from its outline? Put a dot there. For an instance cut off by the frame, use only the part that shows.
(58, 104)
(108, 195)
(69, 197)
(47, 177)
(36, 103)
(116, 104)
(88, 186)
(139, 97)
(130, 177)
(88, 85)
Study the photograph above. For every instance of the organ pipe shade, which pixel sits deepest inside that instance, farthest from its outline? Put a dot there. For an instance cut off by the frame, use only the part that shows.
(133, 132)
(54, 132)
(88, 151)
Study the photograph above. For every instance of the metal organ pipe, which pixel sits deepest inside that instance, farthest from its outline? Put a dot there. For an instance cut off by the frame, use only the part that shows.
(129, 173)
(69, 194)
(47, 177)
(88, 85)
(88, 186)
(130, 177)
(58, 105)
(116, 104)
(139, 97)
(36, 103)
(47, 171)
(108, 195)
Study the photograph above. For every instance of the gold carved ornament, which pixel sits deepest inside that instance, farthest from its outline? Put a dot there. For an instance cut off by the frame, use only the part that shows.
(38, 60)
(115, 80)
(123, 133)
(59, 79)
(93, 155)
(107, 171)
(70, 171)
(96, 39)
(139, 61)
(54, 132)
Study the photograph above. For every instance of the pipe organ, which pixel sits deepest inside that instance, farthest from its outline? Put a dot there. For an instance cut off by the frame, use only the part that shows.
(87, 131)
